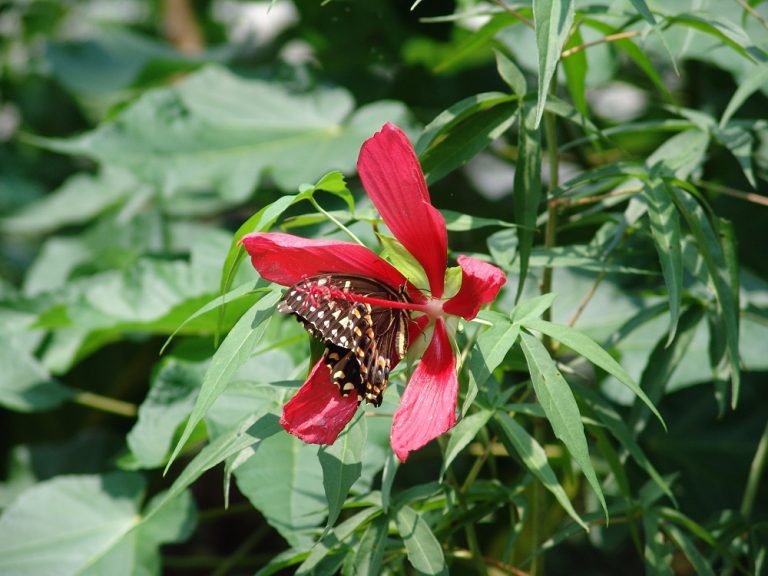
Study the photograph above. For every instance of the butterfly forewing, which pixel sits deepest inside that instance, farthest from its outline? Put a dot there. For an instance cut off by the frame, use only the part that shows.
(363, 341)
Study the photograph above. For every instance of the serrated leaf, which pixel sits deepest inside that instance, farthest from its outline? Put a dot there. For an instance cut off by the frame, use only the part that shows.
(68, 524)
(424, 551)
(518, 441)
(342, 464)
(555, 396)
(234, 350)
(169, 401)
(553, 20)
(528, 191)
(284, 481)
(190, 137)
(79, 199)
(250, 431)
(665, 228)
(25, 384)
(592, 351)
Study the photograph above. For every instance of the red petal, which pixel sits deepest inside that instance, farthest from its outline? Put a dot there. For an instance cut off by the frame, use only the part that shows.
(480, 282)
(287, 259)
(392, 176)
(317, 413)
(428, 406)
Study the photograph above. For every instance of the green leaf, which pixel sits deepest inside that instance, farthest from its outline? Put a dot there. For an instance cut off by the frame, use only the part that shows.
(70, 524)
(750, 84)
(617, 426)
(724, 30)
(342, 465)
(424, 551)
(480, 41)
(664, 359)
(665, 227)
(553, 20)
(284, 481)
(711, 251)
(369, 553)
(464, 130)
(699, 563)
(555, 396)
(188, 137)
(404, 261)
(25, 384)
(575, 67)
(511, 74)
(658, 553)
(459, 222)
(243, 435)
(462, 434)
(518, 441)
(682, 154)
(236, 348)
(263, 220)
(79, 199)
(532, 308)
(739, 141)
(170, 400)
(527, 191)
(642, 9)
(592, 351)
(502, 246)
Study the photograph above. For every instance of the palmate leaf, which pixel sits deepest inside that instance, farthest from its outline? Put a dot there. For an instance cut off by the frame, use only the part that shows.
(191, 138)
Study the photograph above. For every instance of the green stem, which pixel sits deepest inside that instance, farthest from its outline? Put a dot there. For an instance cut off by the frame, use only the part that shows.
(539, 510)
(336, 221)
(755, 473)
(105, 404)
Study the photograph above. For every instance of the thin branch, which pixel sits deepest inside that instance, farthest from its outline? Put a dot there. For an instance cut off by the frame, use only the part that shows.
(747, 196)
(603, 40)
(568, 202)
(759, 17)
(586, 300)
(515, 13)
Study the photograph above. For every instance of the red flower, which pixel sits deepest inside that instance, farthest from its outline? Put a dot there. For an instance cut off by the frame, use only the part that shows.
(392, 176)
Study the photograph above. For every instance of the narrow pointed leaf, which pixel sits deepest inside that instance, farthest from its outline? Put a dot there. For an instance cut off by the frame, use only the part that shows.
(462, 434)
(592, 351)
(711, 251)
(424, 551)
(665, 227)
(553, 20)
(751, 83)
(234, 350)
(342, 465)
(518, 441)
(559, 404)
(527, 193)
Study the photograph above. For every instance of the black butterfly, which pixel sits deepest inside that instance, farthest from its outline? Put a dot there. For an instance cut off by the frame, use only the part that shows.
(362, 341)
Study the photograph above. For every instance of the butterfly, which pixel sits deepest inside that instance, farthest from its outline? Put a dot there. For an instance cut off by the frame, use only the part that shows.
(362, 341)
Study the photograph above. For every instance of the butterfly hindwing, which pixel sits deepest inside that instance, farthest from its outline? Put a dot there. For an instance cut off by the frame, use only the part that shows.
(362, 340)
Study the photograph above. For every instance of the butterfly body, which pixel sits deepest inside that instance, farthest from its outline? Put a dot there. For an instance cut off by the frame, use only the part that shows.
(363, 341)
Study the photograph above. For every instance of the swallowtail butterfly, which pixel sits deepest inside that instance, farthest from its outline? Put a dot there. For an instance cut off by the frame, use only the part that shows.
(362, 341)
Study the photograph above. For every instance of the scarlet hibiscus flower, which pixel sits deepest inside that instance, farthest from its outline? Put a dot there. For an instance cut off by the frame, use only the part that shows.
(392, 177)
